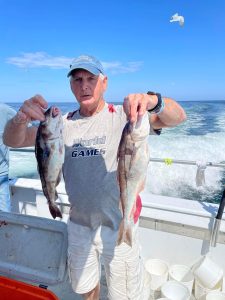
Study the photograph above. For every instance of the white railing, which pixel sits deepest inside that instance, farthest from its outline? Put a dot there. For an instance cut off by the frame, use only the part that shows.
(170, 161)
(167, 161)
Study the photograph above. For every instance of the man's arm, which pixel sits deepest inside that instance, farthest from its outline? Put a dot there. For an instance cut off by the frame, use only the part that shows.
(17, 133)
(172, 115)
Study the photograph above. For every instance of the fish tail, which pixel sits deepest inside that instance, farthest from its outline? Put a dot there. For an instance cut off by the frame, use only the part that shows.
(125, 234)
(54, 210)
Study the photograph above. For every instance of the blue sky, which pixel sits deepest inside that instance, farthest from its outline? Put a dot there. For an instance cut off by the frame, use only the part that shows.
(138, 46)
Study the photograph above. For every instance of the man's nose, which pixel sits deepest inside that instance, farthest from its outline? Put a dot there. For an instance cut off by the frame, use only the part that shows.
(84, 85)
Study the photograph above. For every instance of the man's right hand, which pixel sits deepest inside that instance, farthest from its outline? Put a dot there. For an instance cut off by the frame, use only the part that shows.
(32, 110)
(17, 133)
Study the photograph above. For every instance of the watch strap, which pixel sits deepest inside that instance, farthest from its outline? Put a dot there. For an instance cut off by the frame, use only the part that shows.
(159, 104)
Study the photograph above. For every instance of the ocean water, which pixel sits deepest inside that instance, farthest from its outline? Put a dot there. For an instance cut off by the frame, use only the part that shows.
(201, 138)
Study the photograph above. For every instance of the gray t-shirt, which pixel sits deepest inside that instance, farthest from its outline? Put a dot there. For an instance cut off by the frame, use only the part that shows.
(6, 113)
(90, 167)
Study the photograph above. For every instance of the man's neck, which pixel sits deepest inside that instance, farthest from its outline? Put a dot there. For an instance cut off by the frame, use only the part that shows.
(92, 111)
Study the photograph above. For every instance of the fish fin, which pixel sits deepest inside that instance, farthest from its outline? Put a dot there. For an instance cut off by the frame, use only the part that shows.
(128, 237)
(59, 178)
(54, 210)
(120, 233)
(124, 234)
(56, 195)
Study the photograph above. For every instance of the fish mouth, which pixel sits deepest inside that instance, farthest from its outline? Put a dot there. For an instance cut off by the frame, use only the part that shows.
(55, 111)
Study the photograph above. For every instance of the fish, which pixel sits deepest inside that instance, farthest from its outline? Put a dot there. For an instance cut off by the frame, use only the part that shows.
(133, 158)
(49, 152)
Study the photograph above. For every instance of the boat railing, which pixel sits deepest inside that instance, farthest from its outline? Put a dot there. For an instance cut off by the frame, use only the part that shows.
(167, 161)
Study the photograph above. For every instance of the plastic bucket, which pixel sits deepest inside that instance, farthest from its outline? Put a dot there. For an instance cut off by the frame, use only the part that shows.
(175, 290)
(158, 270)
(147, 281)
(183, 274)
(200, 290)
(208, 273)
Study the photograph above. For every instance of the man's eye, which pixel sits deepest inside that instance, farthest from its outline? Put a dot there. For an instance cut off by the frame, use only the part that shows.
(77, 79)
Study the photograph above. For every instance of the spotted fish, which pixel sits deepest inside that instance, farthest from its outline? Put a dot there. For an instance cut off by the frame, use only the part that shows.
(49, 151)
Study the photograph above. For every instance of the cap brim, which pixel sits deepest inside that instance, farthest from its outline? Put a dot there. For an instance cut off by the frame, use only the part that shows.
(88, 68)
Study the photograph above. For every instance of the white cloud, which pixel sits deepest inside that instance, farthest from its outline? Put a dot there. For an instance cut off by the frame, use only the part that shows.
(39, 59)
(42, 59)
(118, 67)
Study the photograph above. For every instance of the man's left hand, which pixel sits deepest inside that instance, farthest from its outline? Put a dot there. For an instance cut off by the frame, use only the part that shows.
(135, 105)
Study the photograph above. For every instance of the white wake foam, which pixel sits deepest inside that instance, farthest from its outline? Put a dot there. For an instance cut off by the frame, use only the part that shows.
(179, 180)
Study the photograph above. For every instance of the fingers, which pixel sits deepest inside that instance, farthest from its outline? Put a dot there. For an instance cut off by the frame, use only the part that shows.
(142, 107)
(21, 118)
(135, 106)
(134, 100)
(33, 108)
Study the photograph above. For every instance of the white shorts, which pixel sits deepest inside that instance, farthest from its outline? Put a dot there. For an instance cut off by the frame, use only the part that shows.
(123, 264)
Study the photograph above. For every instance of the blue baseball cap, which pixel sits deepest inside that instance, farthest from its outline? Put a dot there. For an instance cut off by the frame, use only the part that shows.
(86, 62)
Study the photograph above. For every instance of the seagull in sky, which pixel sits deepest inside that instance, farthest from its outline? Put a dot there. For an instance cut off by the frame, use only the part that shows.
(177, 18)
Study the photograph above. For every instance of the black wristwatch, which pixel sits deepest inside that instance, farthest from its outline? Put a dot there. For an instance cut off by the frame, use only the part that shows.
(158, 106)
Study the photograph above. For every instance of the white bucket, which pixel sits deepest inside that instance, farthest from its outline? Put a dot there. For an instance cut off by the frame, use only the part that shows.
(215, 295)
(158, 270)
(183, 274)
(200, 290)
(147, 281)
(175, 290)
(208, 273)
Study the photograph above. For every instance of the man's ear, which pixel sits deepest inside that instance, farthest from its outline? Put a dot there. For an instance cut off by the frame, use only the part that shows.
(105, 83)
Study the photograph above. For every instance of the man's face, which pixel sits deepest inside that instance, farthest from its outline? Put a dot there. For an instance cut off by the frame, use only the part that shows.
(87, 88)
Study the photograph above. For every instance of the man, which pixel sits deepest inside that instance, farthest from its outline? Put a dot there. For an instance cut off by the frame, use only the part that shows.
(91, 137)
(6, 113)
